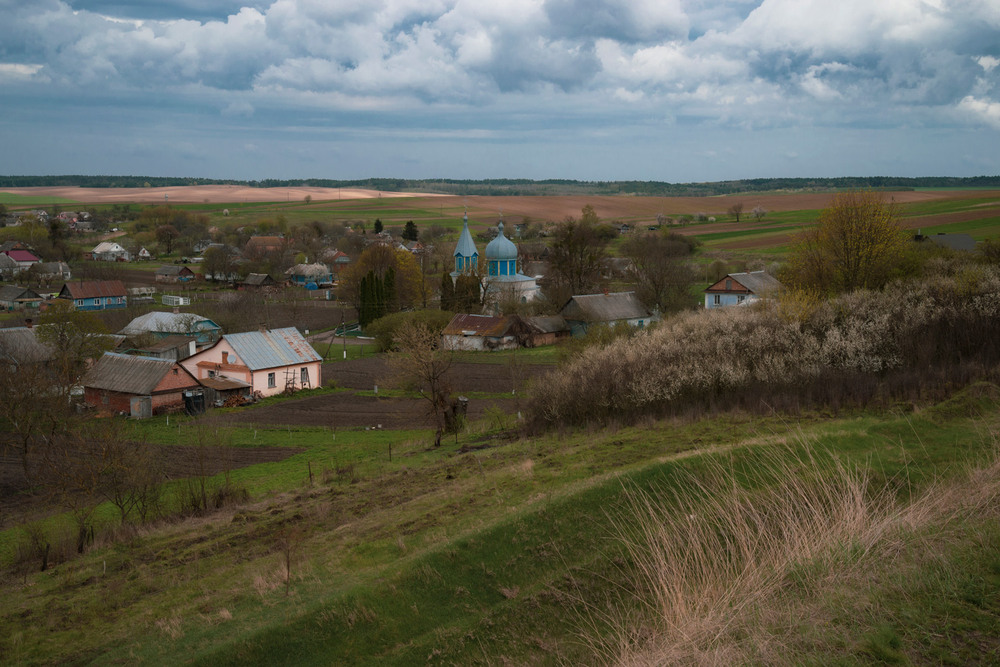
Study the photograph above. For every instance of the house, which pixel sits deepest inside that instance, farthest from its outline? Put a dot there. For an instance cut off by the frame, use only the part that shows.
(485, 333)
(47, 271)
(270, 361)
(19, 298)
(257, 281)
(138, 386)
(109, 251)
(162, 325)
(303, 275)
(96, 294)
(741, 288)
(143, 255)
(8, 267)
(585, 310)
(173, 274)
(260, 247)
(25, 258)
(337, 260)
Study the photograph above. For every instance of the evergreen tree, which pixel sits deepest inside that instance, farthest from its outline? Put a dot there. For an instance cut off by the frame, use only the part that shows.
(410, 231)
(447, 292)
(378, 225)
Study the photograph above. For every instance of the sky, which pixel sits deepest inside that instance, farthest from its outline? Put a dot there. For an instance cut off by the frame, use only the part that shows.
(599, 90)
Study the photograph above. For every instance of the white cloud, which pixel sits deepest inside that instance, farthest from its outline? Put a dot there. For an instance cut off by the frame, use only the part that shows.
(986, 111)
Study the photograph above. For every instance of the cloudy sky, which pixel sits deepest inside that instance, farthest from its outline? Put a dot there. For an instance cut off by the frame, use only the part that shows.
(671, 90)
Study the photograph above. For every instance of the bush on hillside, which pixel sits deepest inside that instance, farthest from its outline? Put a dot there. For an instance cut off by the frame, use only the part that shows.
(907, 340)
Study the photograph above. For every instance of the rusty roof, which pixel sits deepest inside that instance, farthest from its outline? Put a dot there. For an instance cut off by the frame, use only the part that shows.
(92, 289)
(221, 383)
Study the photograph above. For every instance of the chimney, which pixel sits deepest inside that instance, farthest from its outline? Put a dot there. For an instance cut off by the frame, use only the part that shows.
(225, 357)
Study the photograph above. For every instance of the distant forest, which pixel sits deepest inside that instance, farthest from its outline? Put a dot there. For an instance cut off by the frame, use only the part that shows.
(525, 187)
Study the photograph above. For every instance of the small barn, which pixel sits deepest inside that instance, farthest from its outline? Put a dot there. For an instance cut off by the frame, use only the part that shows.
(173, 274)
(547, 329)
(255, 281)
(585, 310)
(738, 289)
(138, 386)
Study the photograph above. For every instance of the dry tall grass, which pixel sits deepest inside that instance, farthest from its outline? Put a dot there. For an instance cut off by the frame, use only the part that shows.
(905, 341)
(724, 574)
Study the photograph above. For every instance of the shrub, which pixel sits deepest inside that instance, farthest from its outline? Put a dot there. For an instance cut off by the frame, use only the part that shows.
(384, 329)
(911, 339)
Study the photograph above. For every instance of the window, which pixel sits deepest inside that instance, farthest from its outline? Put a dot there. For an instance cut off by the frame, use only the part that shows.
(270, 381)
(211, 374)
(717, 300)
(741, 298)
(304, 377)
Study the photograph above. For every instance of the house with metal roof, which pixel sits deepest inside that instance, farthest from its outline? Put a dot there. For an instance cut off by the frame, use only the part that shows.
(110, 251)
(583, 311)
(25, 258)
(738, 289)
(270, 361)
(138, 386)
(160, 324)
(96, 294)
(8, 267)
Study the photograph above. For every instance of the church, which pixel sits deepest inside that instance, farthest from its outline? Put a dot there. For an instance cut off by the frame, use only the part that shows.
(502, 281)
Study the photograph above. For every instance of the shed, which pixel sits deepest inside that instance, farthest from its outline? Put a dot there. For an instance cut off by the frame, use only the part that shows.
(485, 333)
(13, 297)
(135, 385)
(173, 274)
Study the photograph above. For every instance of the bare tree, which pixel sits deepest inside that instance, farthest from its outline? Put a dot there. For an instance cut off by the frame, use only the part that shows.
(661, 270)
(420, 364)
(577, 252)
(736, 210)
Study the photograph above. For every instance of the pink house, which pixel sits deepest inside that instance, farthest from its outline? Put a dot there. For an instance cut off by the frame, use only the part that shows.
(270, 361)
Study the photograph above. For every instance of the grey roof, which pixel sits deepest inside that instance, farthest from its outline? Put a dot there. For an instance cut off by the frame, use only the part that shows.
(604, 307)
(7, 263)
(164, 322)
(20, 345)
(466, 247)
(52, 268)
(273, 348)
(172, 270)
(13, 292)
(130, 375)
(258, 279)
(757, 282)
(953, 241)
(169, 343)
(548, 323)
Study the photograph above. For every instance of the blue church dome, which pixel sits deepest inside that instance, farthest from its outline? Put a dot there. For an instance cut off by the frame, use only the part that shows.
(501, 247)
